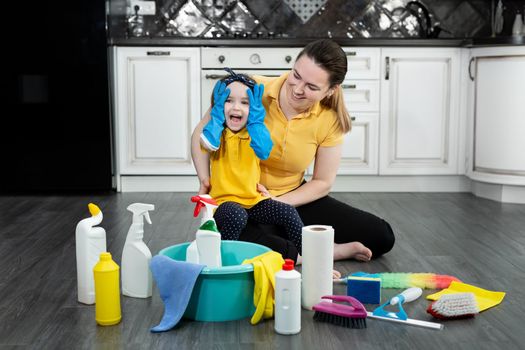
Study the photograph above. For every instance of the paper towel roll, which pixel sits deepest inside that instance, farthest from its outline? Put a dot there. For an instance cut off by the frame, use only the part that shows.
(318, 264)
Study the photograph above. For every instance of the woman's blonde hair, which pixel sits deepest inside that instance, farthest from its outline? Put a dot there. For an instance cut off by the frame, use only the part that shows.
(330, 56)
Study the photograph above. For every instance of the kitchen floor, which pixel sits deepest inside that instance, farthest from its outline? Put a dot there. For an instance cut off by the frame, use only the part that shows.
(481, 242)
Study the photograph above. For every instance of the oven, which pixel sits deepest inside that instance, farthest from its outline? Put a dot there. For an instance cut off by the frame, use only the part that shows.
(270, 62)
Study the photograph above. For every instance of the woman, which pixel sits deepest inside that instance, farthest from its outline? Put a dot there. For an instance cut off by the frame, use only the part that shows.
(307, 119)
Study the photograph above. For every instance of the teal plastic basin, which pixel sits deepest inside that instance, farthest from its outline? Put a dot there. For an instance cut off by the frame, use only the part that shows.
(222, 293)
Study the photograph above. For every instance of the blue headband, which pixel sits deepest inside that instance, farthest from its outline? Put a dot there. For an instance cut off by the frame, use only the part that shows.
(237, 77)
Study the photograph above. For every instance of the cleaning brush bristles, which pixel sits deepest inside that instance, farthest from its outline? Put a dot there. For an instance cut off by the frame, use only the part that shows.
(454, 306)
(352, 314)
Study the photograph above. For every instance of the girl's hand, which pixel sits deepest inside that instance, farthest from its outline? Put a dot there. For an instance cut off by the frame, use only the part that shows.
(211, 134)
(263, 190)
(261, 142)
(204, 186)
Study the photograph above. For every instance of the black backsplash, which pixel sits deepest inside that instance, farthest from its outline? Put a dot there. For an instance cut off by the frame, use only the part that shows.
(310, 19)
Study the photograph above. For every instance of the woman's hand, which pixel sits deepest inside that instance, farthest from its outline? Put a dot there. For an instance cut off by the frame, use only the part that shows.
(211, 135)
(263, 190)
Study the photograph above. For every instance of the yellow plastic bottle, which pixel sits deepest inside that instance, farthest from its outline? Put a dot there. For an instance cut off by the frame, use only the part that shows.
(107, 291)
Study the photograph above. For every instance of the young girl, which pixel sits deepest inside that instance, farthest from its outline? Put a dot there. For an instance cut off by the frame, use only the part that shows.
(237, 139)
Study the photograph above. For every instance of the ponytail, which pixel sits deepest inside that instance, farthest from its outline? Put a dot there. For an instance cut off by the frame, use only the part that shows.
(337, 103)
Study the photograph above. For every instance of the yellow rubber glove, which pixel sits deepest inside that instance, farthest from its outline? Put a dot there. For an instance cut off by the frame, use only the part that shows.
(264, 268)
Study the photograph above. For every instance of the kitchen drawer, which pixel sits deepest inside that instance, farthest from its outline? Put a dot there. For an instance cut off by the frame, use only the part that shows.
(249, 57)
(363, 63)
(361, 95)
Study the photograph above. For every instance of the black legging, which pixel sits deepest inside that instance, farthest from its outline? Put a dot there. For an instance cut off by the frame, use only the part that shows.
(232, 218)
(350, 224)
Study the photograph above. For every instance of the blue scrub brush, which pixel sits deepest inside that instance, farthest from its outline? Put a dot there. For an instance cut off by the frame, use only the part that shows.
(400, 316)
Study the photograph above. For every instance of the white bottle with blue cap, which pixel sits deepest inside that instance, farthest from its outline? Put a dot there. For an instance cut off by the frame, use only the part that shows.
(136, 275)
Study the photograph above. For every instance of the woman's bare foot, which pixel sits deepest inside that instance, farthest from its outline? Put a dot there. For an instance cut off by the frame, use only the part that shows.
(335, 274)
(352, 250)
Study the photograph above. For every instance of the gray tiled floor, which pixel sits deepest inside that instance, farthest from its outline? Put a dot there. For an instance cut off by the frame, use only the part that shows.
(480, 241)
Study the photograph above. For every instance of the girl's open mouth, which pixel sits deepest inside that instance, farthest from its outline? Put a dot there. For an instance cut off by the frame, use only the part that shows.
(236, 118)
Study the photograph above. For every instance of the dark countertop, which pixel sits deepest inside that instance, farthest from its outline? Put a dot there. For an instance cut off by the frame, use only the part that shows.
(498, 41)
(294, 42)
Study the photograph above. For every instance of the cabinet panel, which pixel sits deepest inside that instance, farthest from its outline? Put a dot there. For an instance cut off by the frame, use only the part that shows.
(157, 92)
(359, 154)
(500, 115)
(419, 120)
(157, 108)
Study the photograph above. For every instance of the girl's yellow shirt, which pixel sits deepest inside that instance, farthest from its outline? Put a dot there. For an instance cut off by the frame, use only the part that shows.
(235, 170)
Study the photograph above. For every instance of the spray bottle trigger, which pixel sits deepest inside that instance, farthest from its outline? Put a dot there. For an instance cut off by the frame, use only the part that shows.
(197, 210)
(146, 216)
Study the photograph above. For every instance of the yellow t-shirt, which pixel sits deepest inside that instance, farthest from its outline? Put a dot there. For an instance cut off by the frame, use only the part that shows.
(295, 141)
(235, 170)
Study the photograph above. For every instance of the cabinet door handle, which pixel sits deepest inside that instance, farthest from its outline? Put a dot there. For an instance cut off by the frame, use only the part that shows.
(469, 71)
(215, 76)
(351, 53)
(387, 68)
(346, 86)
(158, 53)
(220, 76)
(352, 119)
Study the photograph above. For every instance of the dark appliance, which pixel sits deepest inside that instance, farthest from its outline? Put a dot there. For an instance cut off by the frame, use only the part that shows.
(55, 130)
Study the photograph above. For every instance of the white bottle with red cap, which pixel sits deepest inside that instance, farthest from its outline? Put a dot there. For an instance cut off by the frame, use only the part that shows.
(288, 299)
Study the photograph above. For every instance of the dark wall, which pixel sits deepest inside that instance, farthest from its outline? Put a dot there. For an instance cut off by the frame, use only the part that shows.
(55, 128)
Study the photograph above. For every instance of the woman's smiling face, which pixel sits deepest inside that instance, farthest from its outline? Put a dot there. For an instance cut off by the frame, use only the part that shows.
(306, 84)
(237, 106)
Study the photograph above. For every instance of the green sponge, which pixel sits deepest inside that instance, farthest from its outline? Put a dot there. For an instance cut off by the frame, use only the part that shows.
(365, 289)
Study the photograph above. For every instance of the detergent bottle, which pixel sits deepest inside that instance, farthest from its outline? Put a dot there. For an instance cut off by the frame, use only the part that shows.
(90, 241)
(107, 292)
(288, 299)
(206, 249)
(136, 275)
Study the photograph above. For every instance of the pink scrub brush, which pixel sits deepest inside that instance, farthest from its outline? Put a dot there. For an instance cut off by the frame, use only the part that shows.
(350, 313)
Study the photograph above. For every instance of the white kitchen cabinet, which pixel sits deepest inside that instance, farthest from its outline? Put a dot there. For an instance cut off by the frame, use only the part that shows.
(157, 94)
(498, 116)
(361, 95)
(419, 111)
(359, 155)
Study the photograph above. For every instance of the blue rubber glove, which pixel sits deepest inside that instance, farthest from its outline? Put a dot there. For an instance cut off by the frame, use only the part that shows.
(211, 134)
(261, 142)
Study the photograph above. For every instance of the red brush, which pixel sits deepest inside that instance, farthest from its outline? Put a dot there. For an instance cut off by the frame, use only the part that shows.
(454, 306)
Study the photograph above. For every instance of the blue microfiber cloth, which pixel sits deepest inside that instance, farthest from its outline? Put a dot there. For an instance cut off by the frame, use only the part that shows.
(175, 280)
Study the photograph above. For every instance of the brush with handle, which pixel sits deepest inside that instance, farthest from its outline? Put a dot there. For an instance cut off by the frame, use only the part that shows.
(406, 296)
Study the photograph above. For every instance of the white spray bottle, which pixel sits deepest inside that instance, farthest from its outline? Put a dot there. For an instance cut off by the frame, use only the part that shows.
(90, 241)
(136, 275)
(206, 249)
